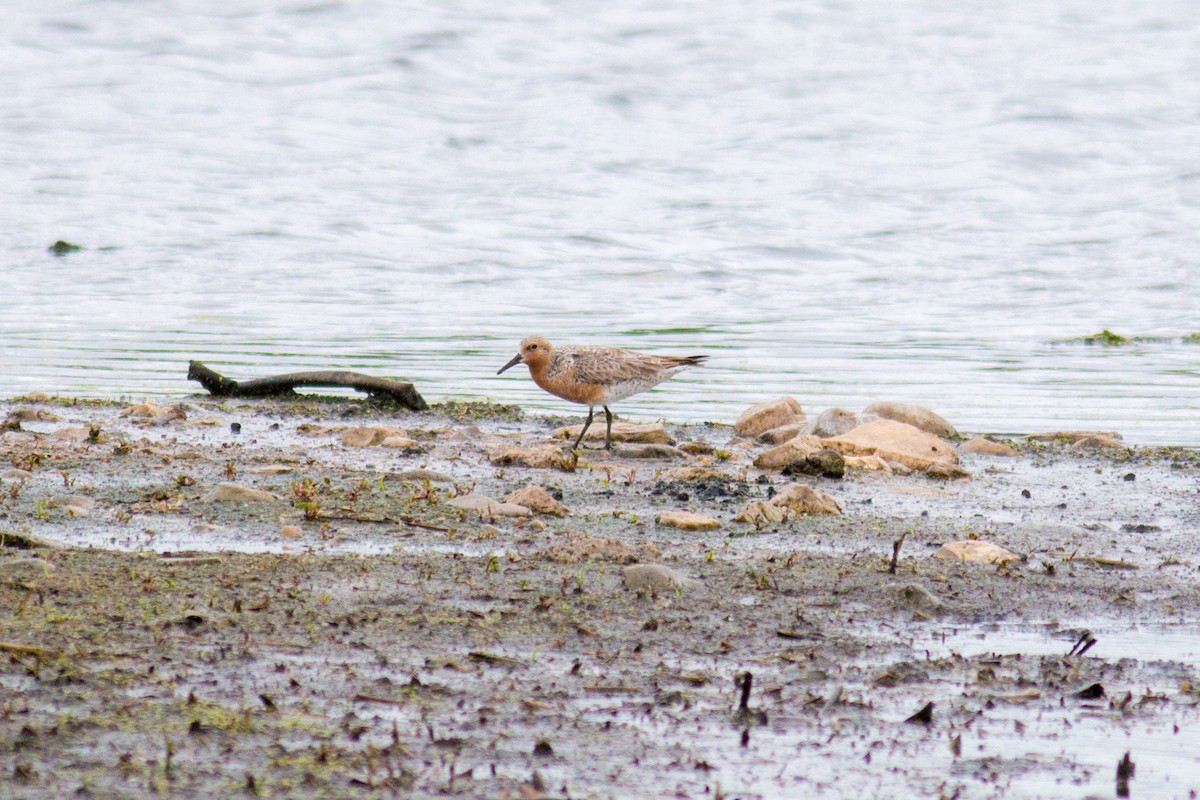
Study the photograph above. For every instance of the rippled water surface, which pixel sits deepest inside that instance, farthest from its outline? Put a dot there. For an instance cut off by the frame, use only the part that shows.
(842, 201)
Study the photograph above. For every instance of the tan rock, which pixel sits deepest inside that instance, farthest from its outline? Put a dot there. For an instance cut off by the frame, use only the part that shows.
(656, 452)
(649, 433)
(1096, 443)
(800, 498)
(548, 457)
(538, 500)
(151, 413)
(654, 578)
(976, 551)
(291, 532)
(1070, 437)
(22, 475)
(25, 570)
(869, 463)
(487, 507)
(420, 475)
(400, 442)
(910, 414)
(833, 422)
(760, 512)
(370, 435)
(895, 441)
(687, 521)
(233, 493)
(784, 433)
(693, 474)
(271, 469)
(312, 429)
(946, 472)
(28, 414)
(978, 445)
(763, 417)
(75, 505)
(796, 449)
(72, 433)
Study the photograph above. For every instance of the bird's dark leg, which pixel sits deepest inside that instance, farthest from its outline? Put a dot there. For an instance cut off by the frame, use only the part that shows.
(608, 432)
(585, 427)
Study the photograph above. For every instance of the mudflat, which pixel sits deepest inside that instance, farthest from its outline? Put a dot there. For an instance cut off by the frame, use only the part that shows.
(331, 598)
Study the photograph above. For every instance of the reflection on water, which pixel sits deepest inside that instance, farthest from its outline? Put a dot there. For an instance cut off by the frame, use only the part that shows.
(841, 203)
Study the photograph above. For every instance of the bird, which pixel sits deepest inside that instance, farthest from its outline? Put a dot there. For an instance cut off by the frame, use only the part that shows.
(595, 375)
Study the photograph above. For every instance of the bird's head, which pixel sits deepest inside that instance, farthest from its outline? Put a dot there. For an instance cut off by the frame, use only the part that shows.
(535, 351)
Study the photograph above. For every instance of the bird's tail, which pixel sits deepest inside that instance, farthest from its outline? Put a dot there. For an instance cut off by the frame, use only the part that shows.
(689, 361)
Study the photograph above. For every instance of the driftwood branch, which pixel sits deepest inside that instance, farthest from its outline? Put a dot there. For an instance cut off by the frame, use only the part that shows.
(284, 385)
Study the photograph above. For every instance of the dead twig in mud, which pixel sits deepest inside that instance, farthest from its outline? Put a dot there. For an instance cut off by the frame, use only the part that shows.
(1125, 770)
(284, 385)
(1086, 640)
(896, 545)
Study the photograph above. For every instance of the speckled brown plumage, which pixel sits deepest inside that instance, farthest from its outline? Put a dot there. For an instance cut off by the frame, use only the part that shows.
(595, 375)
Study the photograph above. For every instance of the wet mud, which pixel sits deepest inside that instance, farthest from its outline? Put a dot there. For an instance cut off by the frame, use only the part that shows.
(349, 631)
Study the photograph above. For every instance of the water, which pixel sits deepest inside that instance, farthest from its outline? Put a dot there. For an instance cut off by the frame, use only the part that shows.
(842, 201)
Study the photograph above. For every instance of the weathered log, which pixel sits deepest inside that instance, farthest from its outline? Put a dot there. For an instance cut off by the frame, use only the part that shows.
(284, 385)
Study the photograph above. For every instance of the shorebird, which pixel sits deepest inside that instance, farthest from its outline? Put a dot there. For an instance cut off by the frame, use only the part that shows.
(595, 375)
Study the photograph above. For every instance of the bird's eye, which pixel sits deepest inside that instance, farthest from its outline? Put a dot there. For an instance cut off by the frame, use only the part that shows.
(533, 347)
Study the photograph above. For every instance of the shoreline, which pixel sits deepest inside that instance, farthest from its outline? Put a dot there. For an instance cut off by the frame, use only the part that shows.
(408, 639)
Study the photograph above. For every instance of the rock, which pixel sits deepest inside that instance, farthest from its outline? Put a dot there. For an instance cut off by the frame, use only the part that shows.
(233, 493)
(947, 472)
(698, 448)
(826, 463)
(420, 475)
(371, 435)
(800, 498)
(1096, 443)
(796, 449)
(538, 500)
(548, 457)
(312, 429)
(74, 505)
(914, 595)
(833, 422)
(649, 433)
(649, 452)
(24, 570)
(28, 414)
(26, 541)
(401, 443)
(976, 551)
(151, 413)
(652, 578)
(782, 434)
(980, 446)
(870, 463)
(1070, 437)
(895, 441)
(694, 474)
(762, 417)
(22, 475)
(760, 512)
(487, 507)
(271, 469)
(917, 416)
(72, 433)
(687, 521)
(291, 532)
(579, 547)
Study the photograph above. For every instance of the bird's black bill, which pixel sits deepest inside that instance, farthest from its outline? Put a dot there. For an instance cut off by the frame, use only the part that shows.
(515, 360)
